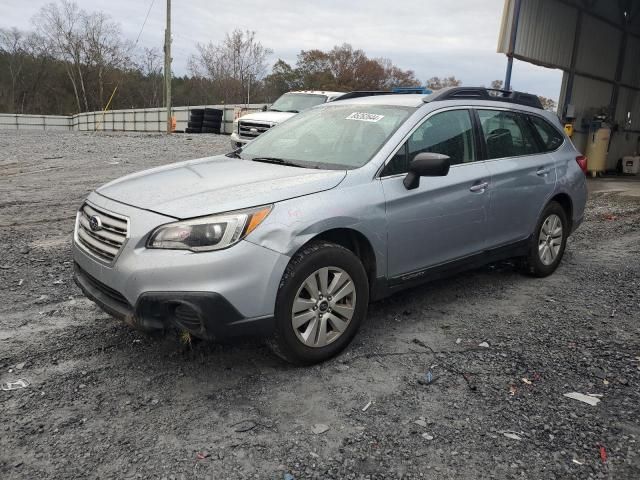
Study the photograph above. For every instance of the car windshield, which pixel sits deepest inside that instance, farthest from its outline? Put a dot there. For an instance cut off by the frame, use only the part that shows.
(332, 137)
(297, 102)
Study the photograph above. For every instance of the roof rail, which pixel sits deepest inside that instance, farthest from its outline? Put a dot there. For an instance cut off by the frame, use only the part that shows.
(363, 93)
(393, 91)
(482, 93)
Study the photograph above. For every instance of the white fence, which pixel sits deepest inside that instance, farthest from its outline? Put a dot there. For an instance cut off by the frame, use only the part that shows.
(10, 121)
(133, 120)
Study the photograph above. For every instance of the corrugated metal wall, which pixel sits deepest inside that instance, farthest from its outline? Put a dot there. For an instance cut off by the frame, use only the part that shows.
(599, 47)
(631, 70)
(546, 32)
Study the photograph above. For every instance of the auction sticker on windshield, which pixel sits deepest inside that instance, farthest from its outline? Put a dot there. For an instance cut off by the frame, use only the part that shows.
(365, 117)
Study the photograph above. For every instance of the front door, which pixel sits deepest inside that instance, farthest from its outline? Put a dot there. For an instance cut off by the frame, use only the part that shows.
(444, 218)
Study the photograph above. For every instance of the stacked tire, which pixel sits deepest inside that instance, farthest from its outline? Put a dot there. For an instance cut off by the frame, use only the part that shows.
(212, 120)
(196, 118)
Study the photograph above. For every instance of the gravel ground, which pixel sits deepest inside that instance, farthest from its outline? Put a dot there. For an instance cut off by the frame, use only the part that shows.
(107, 402)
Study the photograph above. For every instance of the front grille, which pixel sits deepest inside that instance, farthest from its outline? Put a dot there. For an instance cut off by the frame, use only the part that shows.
(105, 238)
(251, 130)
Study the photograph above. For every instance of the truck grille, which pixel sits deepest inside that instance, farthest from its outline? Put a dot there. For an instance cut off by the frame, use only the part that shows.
(101, 233)
(251, 130)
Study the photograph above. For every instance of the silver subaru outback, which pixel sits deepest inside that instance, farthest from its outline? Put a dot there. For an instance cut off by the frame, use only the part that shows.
(292, 236)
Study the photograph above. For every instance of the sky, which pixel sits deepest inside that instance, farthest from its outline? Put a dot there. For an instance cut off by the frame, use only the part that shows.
(431, 37)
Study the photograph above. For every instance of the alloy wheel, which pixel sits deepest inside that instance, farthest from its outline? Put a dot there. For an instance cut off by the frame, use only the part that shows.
(550, 239)
(323, 307)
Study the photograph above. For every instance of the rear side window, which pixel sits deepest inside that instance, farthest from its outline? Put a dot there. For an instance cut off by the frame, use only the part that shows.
(506, 134)
(449, 133)
(551, 138)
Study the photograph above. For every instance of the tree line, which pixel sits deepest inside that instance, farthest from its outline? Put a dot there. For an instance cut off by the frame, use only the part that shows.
(74, 60)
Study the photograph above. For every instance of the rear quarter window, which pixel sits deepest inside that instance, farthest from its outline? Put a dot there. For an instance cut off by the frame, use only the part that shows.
(551, 138)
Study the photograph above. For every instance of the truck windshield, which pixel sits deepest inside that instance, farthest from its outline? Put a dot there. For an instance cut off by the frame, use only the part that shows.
(331, 137)
(297, 102)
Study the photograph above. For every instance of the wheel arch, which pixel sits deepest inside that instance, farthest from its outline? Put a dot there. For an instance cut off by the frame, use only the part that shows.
(354, 241)
(566, 203)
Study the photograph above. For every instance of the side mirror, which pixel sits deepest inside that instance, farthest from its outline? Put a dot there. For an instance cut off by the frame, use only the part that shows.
(426, 165)
(264, 108)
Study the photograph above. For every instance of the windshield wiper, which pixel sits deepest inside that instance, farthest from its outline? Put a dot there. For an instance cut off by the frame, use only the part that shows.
(277, 161)
(293, 111)
(274, 110)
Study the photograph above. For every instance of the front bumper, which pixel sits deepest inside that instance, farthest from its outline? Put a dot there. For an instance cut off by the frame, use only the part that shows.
(237, 141)
(211, 294)
(206, 315)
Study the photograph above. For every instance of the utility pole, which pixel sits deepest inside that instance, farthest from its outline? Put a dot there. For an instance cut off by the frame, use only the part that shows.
(167, 66)
(249, 90)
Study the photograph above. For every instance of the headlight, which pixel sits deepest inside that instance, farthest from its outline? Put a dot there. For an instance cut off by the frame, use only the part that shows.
(208, 233)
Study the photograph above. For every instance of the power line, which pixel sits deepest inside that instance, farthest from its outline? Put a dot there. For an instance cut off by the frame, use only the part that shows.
(132, 47)
(144, 23)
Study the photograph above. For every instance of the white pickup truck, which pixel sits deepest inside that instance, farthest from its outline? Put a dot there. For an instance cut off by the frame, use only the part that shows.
(249, 126)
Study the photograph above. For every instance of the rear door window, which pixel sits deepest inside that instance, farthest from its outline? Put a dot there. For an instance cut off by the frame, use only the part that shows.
(551, 138)
(506, 134)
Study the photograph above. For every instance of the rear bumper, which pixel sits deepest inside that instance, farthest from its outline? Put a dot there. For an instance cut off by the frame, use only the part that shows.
(207, 315)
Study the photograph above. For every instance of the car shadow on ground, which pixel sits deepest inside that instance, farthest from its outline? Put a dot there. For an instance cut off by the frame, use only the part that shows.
(407, 310)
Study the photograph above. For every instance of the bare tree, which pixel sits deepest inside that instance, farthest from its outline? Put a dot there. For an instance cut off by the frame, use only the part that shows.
(150, 64)
(238, 60)
(436, 83)
(103, 47)
(60, 27)
(497, 84)
(548, 103)
(12, 43)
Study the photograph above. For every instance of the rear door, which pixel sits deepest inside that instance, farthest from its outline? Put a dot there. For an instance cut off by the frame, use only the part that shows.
(523, 176)
(444, 218)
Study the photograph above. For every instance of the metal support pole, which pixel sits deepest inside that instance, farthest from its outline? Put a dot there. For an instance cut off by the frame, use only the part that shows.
(568, 96)
(167, 66)
(622, 52)
(512, 43)
(507, 78)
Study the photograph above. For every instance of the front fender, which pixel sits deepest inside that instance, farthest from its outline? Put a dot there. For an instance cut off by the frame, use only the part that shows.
(295, 222)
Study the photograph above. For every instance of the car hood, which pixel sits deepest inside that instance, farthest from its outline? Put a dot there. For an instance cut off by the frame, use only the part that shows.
(216, 184)
(268, 117)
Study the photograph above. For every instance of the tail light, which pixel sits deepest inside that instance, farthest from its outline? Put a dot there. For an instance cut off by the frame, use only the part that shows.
(582, 163)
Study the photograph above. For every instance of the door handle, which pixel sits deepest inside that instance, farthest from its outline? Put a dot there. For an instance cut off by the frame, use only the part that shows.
(543, 171)
(479, 187)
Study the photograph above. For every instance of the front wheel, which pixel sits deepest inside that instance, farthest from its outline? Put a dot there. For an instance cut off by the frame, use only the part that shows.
(322, 299)
(548, 242)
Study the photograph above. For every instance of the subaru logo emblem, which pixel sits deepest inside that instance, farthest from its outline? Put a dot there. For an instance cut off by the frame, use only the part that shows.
(95, 223)
(254, 130)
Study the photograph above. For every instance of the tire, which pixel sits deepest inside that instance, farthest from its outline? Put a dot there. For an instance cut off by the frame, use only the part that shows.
(192, 130)
(545, 254)
(196, 112)
(208, 119)
(211, 124)
(213, 112)
(288, 341)
(193, 124)
(210, 130)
